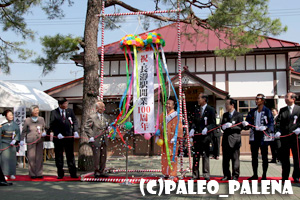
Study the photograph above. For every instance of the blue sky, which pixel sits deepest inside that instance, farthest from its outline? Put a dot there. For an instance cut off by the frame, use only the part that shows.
(73, 23)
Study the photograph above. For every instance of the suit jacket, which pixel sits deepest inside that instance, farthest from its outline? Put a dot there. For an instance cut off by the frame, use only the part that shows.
(232, 136)
(30, 131)
(199, 123)
(58, 126)
(94, 126)
(285, 121)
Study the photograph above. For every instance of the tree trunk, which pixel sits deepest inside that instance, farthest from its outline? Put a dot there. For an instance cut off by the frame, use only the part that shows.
(91, 80)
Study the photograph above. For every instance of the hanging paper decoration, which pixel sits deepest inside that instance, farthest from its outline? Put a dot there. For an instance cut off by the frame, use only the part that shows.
(146, 51)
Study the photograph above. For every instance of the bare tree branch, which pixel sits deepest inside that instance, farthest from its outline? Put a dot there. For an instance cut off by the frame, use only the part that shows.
(3, 5)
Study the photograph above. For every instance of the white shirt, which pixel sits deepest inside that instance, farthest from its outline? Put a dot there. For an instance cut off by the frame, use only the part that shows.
(257, 120)
(61, 111)
(100, 115)
(203, 108)
(231, 113)
(291, 108)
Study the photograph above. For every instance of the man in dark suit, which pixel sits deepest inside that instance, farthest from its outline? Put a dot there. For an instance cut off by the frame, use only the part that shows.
(262, 119)
(204, 119)
(216, 136)
(95, 128)
(288, 122)
(64, 123)
(275, 145)
(231, 141)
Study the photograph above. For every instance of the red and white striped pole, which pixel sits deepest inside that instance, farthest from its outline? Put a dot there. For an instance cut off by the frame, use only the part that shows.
(179, 61)
(102, 52)
(138, 13)
(187, 131)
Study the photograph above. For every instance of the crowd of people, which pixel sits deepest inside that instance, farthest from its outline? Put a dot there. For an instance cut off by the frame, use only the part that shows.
(264, 125)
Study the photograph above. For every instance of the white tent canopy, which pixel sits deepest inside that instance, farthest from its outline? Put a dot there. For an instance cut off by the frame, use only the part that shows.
(17, 95)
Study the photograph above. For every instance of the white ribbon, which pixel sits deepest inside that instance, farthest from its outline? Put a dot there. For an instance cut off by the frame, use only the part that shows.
(205, 119)
(266, 119)
(166, 68)
(70, 119)
(39, 129)
(295, 119)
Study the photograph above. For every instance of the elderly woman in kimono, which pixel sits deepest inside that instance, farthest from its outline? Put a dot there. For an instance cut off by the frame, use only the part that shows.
(9, 136)
(33, 131)
(171, 122)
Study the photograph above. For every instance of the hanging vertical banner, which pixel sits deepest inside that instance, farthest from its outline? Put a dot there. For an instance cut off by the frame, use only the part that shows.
(144, 119)
(19, 117)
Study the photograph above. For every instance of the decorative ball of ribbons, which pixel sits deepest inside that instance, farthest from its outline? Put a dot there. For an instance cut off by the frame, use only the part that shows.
(160, 142)
(127, 125)
(153, 38)
(147, 136)
(131, 40)
(142, 41)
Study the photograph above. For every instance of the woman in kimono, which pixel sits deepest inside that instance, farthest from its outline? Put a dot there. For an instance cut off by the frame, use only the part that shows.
(9, 137)
(33, 131)
(171, 122)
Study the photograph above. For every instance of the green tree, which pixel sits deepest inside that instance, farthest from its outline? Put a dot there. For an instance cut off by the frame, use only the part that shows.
(242, 21)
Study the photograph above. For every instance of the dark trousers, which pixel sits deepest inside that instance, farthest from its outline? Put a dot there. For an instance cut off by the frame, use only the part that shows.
(99, 155)
(2, 178)
(275, 146)
(286, 145)
(216, 146)
(67, 145)
(255, 146)
(201, 149)
(232, 154)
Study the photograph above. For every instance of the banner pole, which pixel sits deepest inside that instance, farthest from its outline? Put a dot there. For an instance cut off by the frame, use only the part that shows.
(126, 180)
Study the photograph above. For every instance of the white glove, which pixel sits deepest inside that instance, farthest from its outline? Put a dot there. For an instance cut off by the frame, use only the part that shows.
(204, 131)
(44, 134)
(172, 140)
(60, 136)
(92, 139)
(13, 142)
(297, 131)
(277, 135)
(245, 123)
(192, 131)
(224, 126)
(262, 128)
(228, 124)
(76, 135)
(22, 143)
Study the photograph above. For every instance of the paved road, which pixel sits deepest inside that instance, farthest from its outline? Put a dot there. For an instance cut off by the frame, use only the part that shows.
(98, 190)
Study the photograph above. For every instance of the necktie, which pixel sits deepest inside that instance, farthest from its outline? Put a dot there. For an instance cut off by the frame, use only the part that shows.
(230, 115)
(63, 115)
(201, 111)
(290, 109)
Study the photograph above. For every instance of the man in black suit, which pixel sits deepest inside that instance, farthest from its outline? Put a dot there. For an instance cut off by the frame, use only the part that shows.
(64, 123)
(275, 145)
(288, 122)
(216, 136)
(231, 141)
(204, 119)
